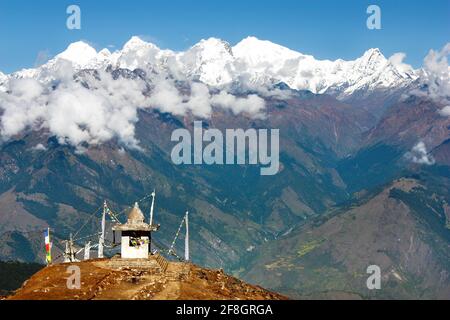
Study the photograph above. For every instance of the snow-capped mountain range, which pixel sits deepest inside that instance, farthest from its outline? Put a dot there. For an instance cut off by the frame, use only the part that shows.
(251, 62)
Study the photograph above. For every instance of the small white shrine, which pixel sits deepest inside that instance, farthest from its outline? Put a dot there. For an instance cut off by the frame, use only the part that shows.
(135, 235)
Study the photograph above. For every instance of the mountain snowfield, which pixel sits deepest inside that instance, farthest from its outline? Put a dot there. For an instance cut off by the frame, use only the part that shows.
(211, 74)
(251, 62)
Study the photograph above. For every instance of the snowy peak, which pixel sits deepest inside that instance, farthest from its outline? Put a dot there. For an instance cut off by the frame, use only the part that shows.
(373, 54)
(255, 51)
(263, 62)
(210, 61)
(3, 79)
(137, 53)
(79, 53)
(104, 53)
(83, 56)
(371, 61)
(136, 43)
(265, 47)
(212, 49)
(251, 62)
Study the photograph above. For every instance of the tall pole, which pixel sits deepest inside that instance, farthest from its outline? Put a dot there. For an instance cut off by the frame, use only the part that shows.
(48, 246)
(151, 221)
(186, 240)
(151, 208)
(51, 245)
(67, 252)
(101, 240)
(71, 249)
(87, 250)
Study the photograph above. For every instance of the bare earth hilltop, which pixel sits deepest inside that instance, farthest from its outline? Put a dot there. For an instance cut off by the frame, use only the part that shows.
(117, 279)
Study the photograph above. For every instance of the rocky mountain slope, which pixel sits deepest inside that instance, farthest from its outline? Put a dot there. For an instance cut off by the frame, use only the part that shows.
(225, 220)
(401, 229)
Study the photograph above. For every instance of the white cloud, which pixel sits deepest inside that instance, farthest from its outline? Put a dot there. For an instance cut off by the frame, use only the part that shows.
(23, 107)
(96, 108)
(436, 75)
(397, 61)
(39, 147)
(72, 112)
(199, 102)
(252, 104)
(419, 154)
(167, 98)
(445, 111)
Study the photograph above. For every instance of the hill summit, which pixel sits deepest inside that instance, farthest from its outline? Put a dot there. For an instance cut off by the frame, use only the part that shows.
(137, 279)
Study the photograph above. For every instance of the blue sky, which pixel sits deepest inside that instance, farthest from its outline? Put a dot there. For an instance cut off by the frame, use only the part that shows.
(328, 29)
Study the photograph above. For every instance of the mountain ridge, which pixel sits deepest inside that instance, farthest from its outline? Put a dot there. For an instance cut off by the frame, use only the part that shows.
(251, 62)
